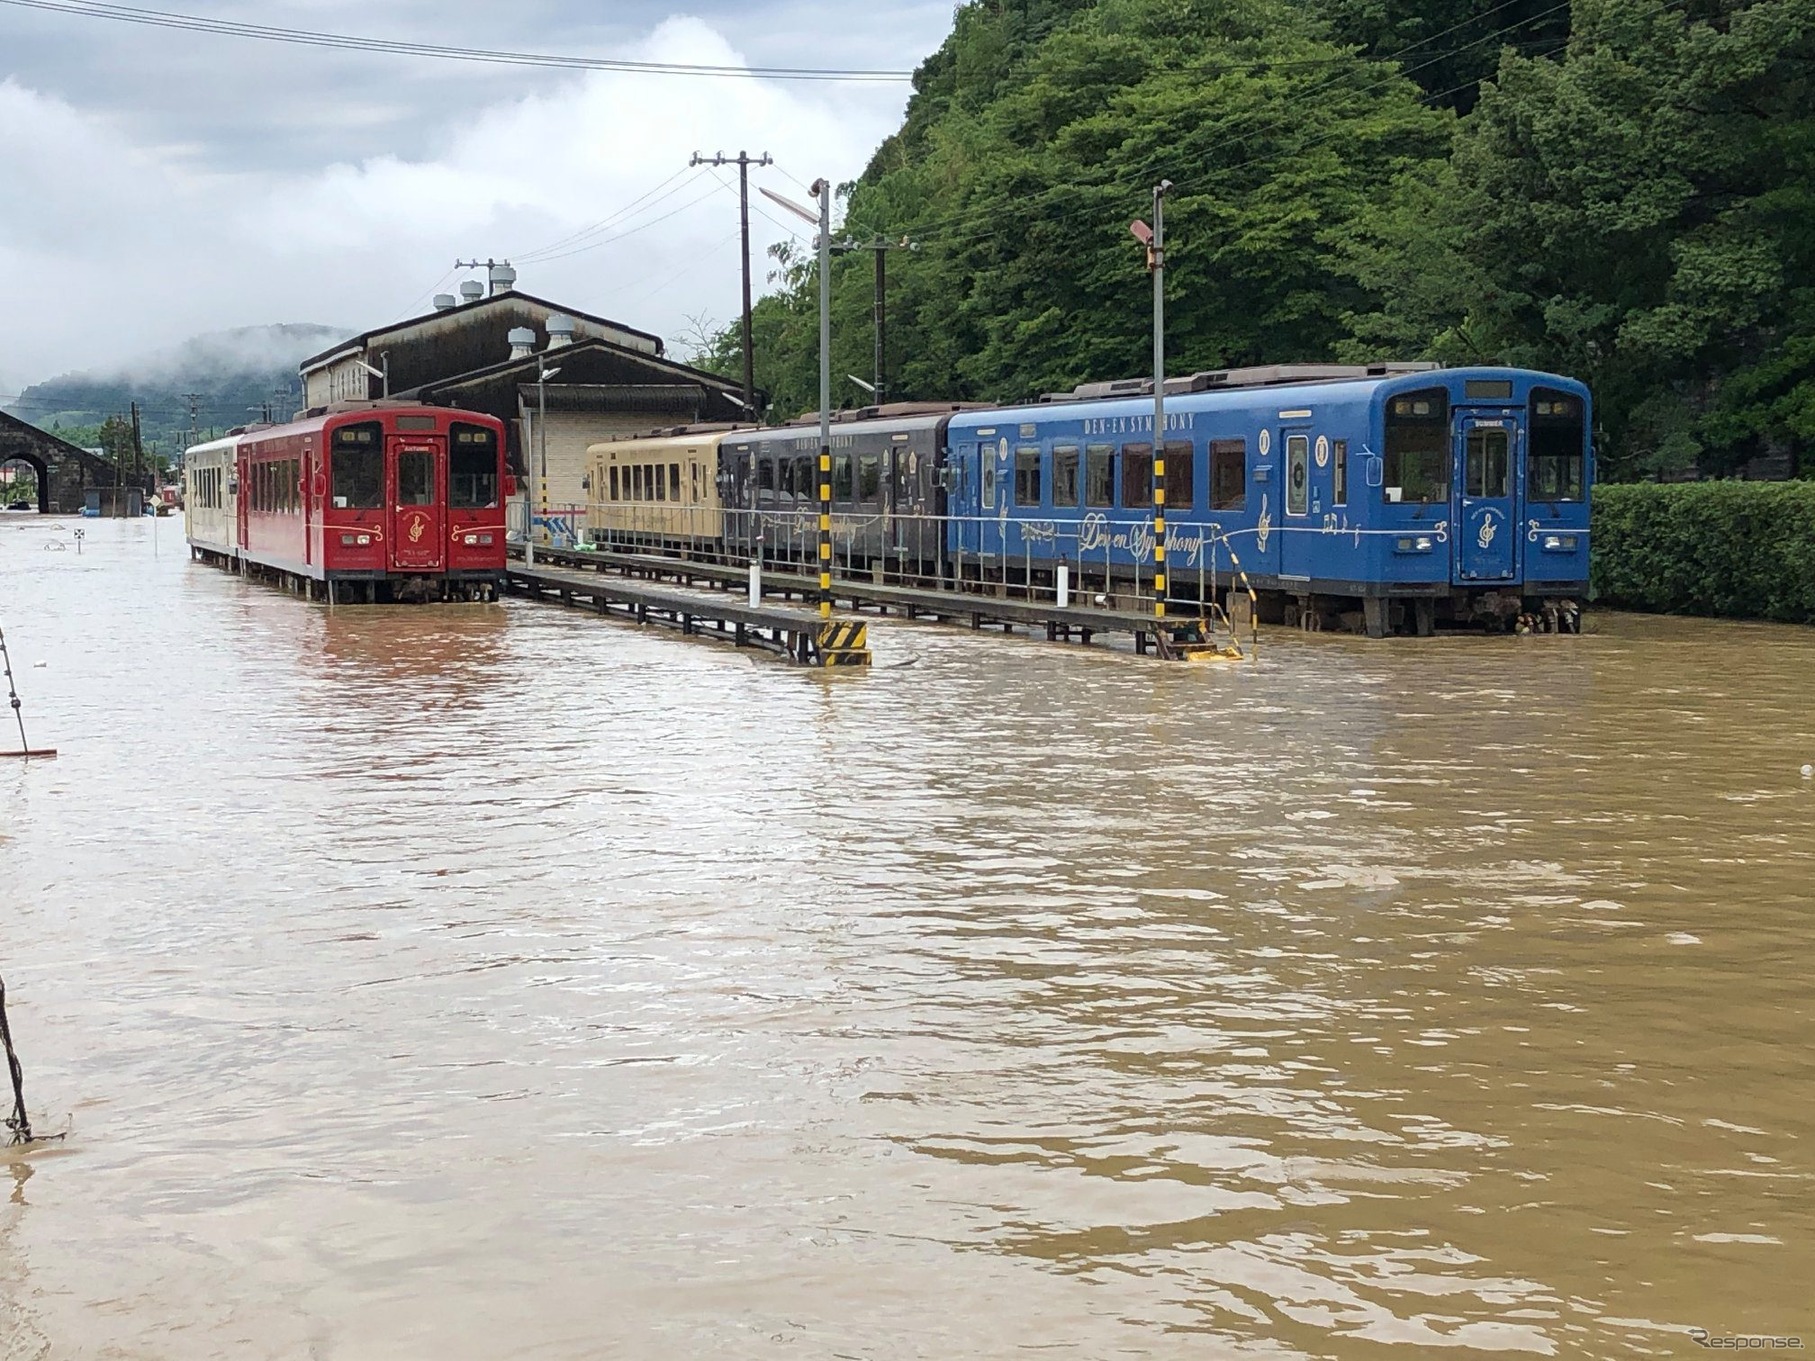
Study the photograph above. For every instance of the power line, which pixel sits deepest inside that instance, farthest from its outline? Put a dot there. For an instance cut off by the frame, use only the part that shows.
(529, 256)
(579, 242)
(93, 9)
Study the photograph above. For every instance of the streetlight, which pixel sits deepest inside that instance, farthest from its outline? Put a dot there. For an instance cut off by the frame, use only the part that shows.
(539, 492)
(380, 373)
(1154, 238)
(822, 188)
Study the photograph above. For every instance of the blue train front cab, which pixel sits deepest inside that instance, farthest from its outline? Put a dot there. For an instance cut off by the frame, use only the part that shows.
(1390, 498)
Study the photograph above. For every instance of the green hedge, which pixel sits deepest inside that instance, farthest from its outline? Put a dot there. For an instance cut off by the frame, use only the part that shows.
(1745, 550)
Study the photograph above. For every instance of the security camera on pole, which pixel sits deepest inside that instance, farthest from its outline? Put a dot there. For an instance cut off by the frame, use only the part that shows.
(822, 189)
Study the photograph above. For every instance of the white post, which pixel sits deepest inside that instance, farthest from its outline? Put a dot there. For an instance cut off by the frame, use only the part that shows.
(1064, 585)
(756, 585)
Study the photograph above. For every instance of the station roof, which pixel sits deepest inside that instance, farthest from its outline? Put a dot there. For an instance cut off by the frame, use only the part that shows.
(510, 299)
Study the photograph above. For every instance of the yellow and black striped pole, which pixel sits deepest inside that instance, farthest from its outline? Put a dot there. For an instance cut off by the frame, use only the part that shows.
(1157, 262)
(825, 531)
(823, 188)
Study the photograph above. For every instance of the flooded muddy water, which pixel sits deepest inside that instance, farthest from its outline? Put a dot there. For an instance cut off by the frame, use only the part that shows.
(492, 981)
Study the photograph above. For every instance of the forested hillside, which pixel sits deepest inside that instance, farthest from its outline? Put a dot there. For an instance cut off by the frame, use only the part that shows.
(219, 380)
(1616, 189)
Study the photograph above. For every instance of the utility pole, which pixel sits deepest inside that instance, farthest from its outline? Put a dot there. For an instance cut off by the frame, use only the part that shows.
(822, 190)
(1154, 238)
(194, 399)
(880, 310)
(823, 187)
(743, 162)
(138, 445)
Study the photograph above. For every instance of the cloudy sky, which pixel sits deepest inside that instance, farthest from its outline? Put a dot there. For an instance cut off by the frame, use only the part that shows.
(158, 184)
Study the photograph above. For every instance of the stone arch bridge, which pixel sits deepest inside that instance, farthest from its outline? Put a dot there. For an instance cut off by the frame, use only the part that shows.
(66, 474)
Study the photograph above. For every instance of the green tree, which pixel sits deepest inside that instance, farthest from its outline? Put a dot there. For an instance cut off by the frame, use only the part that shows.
(1641, 215)
(1031, 142)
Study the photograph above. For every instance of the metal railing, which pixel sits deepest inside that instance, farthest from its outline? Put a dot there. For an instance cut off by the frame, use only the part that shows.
(1099, 561)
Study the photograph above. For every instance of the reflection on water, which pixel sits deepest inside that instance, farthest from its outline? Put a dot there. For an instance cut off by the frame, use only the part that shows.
(489, 981)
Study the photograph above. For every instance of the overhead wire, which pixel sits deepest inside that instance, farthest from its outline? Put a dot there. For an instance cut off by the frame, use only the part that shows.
(626, 233)
(95, 9)
(530, 256)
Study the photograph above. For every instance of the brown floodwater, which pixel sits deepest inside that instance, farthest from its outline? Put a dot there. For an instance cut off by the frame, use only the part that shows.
(494, 981)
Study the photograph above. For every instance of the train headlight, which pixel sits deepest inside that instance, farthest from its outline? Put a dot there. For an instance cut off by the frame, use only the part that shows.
(1559, 543)
(1421, 544)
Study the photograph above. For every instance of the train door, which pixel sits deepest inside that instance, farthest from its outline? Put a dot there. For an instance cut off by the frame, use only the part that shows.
(963, 497)
(1295, 544)
(1486, 496)
(418, 524)
(240, 490)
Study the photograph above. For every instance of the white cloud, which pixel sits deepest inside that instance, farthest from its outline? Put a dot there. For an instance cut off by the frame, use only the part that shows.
(110, 247)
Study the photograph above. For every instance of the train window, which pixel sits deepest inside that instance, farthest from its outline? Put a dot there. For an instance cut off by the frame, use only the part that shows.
(1298, 473)
(694, 469)
(989, 477)
(841, 478)
(805, 482)
(1137, 476)
(472, 468)
(674, 481)
(1339, 467)
(658, 482)
(1099, 475)
(1228, 474)
(765, 474)
(1029, 490)
(869, 478)
(1487, 463)
(1065, 475)
(356, 468)
(1417, 446)
(1181, 475)
(614, 483)
(416, 477)
(1558, 436)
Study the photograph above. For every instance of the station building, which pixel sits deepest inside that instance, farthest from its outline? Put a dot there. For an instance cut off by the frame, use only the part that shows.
(489, 349)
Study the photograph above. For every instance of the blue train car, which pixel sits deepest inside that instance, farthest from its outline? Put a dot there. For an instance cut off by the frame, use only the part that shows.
(1393, 497)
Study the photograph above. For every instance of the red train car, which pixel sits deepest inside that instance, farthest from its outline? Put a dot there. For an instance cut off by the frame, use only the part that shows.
(373, 501)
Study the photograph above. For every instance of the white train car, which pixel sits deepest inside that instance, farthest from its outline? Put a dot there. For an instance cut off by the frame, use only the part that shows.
(211, 498)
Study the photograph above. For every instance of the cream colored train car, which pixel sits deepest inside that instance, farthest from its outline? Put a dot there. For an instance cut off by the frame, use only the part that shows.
(211, 498)
(659, 490)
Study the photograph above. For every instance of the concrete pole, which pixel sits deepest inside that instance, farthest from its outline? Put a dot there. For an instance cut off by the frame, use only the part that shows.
(882, 317)
(1159, 398)
(824, 189)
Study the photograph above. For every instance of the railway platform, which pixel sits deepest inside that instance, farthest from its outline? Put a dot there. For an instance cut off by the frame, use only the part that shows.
(799, 635)
(1071, 623)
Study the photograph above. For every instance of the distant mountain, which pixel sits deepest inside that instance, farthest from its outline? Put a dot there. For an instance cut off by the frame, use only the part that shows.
(234, 374)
